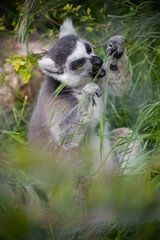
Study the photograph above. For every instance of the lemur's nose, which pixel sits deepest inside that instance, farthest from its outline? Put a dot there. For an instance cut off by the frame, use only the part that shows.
(97, 61)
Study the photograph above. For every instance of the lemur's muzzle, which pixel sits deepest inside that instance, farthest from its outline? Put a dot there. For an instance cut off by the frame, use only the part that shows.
(97, 63)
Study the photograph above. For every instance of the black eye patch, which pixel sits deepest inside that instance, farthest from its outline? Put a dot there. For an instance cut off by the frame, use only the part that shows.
(78, 63)
(88, 48)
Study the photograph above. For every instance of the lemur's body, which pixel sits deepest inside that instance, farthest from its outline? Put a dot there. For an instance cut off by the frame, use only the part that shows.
(62, 119)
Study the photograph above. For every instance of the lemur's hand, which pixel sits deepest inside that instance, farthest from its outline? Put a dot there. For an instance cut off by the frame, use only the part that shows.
(116, 46)
(91, 89)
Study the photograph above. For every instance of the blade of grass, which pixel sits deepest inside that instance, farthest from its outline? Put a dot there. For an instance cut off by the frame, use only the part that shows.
(21, 114)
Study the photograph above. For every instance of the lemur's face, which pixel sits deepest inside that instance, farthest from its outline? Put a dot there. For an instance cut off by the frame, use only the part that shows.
(72, 60)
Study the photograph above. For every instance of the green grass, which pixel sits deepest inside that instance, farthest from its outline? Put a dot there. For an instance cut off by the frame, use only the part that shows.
(128, 204)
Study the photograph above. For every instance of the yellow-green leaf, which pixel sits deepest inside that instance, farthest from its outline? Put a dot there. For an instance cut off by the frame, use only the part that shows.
(46, 15)
(2, 27)
(17, 66)
(32, 30)
(26, 77)
(78, 7)
(90, 29)
(88, 11)
(66, 7)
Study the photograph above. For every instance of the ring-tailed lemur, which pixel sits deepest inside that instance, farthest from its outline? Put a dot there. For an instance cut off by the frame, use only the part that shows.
(69, 104)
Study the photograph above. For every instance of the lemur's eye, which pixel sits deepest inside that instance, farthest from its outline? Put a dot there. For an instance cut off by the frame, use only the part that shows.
(78, 63)
(88, 48)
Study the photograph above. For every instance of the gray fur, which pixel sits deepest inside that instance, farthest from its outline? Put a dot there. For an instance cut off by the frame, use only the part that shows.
(119, 74)
(62, 49)
(116, 46)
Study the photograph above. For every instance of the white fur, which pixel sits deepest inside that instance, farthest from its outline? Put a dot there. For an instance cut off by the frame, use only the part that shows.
(48, 64)
(67, 28)
(98, 112)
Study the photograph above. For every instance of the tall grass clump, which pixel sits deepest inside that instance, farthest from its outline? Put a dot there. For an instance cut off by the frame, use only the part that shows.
(36, 190)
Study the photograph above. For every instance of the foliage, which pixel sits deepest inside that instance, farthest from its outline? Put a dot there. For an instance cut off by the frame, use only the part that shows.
(23, 65)
(48, 212)
(2, 77)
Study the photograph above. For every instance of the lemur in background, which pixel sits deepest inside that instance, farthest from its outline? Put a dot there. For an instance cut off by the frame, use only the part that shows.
(70, 105)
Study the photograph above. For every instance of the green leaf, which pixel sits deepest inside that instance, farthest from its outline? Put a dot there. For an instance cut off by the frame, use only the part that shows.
(55, 14)
(2, 77)
(158, 51)
(25, 74)
(32, 30)
(90, 29)
(2, 28)
(78, 7)
(46, 15)
(17, 66)
(23, 65)
(101, 10)
(88, 11)
(66, 7)
(50, 33)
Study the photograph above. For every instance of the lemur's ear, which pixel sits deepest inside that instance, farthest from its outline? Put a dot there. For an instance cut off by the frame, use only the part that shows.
(49, 67)
(67, 28)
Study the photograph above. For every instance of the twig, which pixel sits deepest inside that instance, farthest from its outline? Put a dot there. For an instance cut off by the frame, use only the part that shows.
(91, 21)
(138, 36)
(97, 24)
(54, 21)
(150, 36)
(39, 54)
(100, 45)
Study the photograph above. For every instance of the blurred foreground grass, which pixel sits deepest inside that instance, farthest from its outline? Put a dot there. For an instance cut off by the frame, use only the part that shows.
(36, 200)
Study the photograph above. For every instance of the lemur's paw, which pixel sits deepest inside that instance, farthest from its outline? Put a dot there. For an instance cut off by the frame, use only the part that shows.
(116, 46)
(91, 89)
